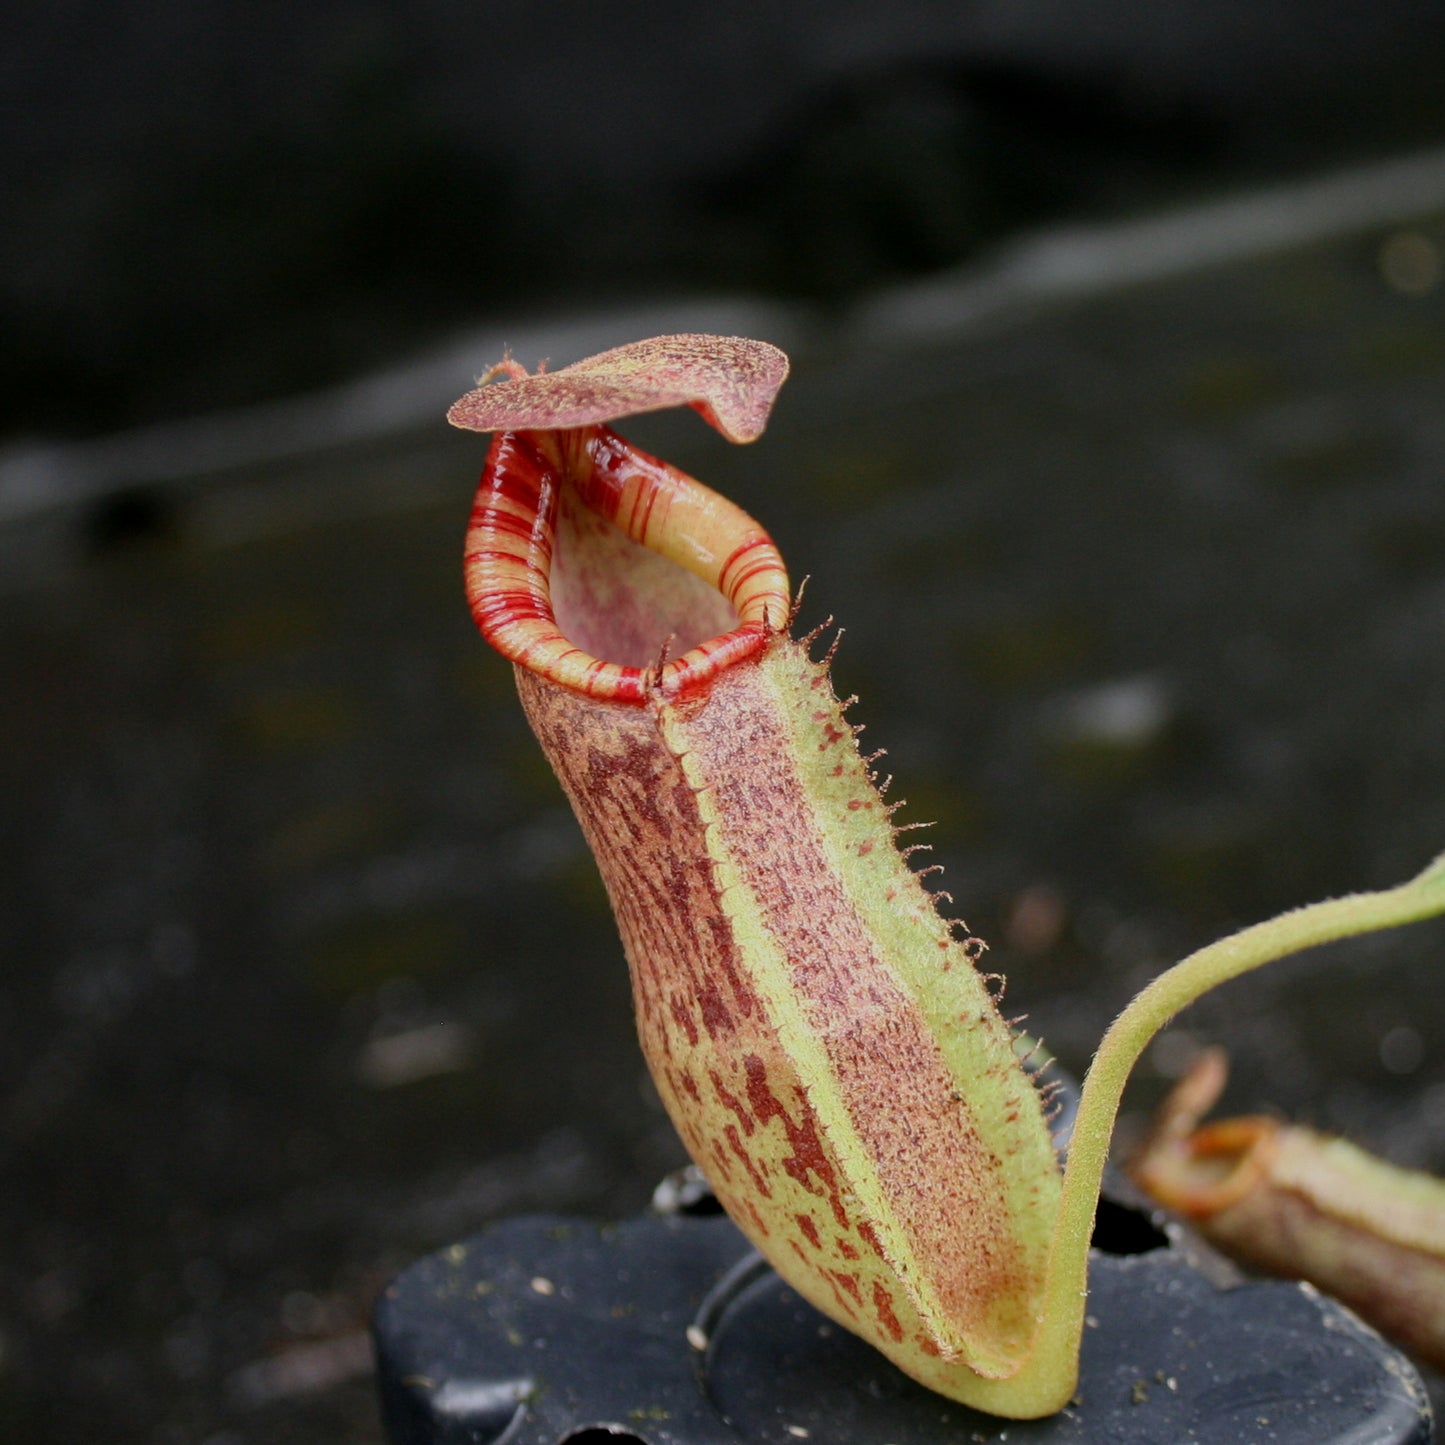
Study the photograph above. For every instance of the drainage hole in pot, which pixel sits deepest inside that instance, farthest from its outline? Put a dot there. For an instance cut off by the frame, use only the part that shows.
(602, 1435)
(1121, 1230)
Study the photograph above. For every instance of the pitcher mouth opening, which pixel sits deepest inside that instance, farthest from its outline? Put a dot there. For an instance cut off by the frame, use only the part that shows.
(614, 574)
(1213, 1168)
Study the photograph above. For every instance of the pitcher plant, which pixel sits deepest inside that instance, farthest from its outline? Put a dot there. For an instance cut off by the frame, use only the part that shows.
(1287, 1200)
(817, 1029)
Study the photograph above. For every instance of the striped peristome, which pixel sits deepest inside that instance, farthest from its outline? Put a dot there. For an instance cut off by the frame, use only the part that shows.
(536, 482)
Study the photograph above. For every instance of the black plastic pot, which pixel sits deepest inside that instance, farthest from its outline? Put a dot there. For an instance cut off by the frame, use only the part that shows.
(669, 1330)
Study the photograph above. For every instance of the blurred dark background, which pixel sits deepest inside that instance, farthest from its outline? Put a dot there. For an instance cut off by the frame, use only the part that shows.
(1114, 438)
(217, 202)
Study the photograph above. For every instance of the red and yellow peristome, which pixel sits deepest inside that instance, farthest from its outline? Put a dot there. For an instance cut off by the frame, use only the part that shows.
(513, 536)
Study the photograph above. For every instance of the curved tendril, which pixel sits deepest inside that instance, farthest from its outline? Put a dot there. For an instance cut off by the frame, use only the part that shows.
(1149, 1011)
